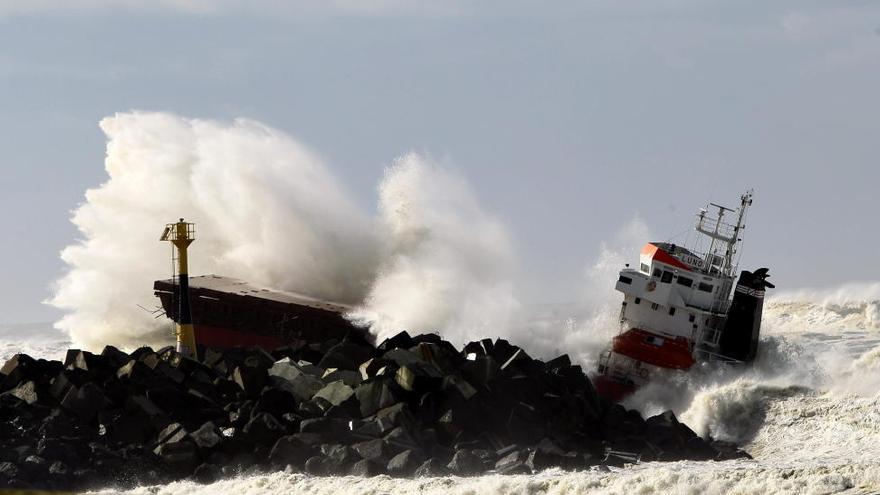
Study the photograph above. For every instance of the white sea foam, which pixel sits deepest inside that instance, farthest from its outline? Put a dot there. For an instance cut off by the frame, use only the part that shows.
(710, 478)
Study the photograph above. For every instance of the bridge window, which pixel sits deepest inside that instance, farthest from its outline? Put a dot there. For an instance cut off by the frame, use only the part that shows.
(691, 318)
(705, 287)
(671, 311)
(666, 278)
(685, 281)
(625, 280)
(656, 272)
(638, 300)
(645, 268)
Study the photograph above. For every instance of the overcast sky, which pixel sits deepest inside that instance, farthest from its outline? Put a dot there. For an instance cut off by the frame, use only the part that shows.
(569, 119)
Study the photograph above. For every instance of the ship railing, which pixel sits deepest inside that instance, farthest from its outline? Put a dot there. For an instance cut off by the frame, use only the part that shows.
(716, 308)
(714, 356)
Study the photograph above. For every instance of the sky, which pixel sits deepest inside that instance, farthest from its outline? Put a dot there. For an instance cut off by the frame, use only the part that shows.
(568, 119)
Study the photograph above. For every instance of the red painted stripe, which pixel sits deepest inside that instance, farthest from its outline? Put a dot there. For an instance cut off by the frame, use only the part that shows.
(662, 256)
(225, 338)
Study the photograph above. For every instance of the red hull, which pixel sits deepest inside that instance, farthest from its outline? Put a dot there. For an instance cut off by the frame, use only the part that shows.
(225, 338)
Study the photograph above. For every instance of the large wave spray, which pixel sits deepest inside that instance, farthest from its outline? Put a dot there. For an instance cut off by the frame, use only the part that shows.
(268, 211)
(447, 265)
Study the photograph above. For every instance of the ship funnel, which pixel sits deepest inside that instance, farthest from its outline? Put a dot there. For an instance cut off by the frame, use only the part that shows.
(739, 339)
(181, 234)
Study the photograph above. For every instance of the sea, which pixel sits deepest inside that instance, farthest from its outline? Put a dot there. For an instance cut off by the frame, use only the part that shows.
(808, 412)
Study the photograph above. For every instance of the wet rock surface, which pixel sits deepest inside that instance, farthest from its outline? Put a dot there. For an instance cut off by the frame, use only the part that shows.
(411, 406)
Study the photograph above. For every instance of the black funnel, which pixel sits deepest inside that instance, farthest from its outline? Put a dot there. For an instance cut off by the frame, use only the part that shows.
(739, 340)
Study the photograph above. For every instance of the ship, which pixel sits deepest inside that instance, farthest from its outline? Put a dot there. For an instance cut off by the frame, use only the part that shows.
(681, 307)
(226, 312)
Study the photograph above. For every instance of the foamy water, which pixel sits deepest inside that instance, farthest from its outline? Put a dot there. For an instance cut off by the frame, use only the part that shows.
(808, 411)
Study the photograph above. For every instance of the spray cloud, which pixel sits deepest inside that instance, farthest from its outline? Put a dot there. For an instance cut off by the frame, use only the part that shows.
(268, 211)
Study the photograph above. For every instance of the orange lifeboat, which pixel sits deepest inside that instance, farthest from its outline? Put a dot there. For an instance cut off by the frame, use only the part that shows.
(650, 348)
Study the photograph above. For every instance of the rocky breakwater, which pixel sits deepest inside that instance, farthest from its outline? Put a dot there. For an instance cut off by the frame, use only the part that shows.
(411, 406)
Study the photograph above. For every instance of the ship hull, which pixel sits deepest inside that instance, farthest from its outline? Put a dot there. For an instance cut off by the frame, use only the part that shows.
(230, 313)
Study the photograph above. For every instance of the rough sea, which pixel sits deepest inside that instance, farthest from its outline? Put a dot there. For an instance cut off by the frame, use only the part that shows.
(808, 411)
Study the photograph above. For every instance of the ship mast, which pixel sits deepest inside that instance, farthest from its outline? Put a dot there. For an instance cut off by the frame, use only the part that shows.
(725, 234)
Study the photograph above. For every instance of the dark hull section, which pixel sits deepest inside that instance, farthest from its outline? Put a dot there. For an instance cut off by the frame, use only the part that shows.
(742, 330)
(229, 313)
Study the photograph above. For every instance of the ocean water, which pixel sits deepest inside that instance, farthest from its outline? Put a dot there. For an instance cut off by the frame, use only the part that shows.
(808, 411)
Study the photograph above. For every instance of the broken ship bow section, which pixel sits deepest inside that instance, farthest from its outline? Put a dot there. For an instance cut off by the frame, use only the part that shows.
(227, 313)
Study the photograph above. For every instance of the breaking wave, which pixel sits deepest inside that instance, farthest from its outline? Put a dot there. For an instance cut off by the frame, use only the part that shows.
(269, 211)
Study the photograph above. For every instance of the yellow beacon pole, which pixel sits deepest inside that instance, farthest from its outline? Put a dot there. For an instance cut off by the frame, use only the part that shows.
(182, 234)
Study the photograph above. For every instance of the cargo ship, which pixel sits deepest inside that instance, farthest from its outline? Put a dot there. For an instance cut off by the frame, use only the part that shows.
(677, 308)
(227, 312)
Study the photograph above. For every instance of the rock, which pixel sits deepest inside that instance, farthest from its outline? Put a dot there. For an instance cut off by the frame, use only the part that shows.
(18, 368)
(59, 468)
(8, 471)
(316, 465)
(349, 377)
(400, 438)
(374, 395)
(418, 376)
(375, 450)
(335, 393)
(339, 459)
(346, 356)
(114, 356)
(481, 371)
(85, 401)
(134, 371)
(290, 450)
(369, 368)
(25, 391)
(465, 463)
(173, 433)
(206, 473)
(562, 361)
(181, 457)
(250, 379)
(431, 468)
(304, 386)
(366, 468)
(404, 463)
(263, 429)
(155, 417)
(207, 437)
(513, 463)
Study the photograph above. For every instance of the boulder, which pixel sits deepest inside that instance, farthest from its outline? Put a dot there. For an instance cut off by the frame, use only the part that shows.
(349, 377)
(250, 379)
(263, 429)
(290, 450)
(405, 463)
(375, 450)
(401, 340)
(335, 393)
(513, 463)
(367, 468)
(207, 437)
(465, 463)
(431, 468)
(85, 401)
(373, 396)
